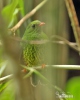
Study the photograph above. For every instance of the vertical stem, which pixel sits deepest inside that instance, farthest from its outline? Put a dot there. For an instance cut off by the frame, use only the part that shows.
(74, 20)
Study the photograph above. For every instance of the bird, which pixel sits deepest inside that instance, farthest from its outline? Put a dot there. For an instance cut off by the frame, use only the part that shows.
(33, 53)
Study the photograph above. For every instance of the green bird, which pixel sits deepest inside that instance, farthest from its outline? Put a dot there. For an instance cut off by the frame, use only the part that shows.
(33, 53)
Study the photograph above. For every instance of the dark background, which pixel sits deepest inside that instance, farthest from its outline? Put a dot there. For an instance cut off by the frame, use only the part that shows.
(72, 53)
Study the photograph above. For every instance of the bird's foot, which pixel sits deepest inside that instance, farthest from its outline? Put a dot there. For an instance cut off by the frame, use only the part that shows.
(24, 70)
(43, 65)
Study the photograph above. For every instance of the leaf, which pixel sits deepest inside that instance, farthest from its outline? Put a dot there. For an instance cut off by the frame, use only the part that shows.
(8, 11)
(41, 76)
(21, 6)
(8, 93)
(4, 85)
(14, 17)
(3, 66)
(73, 88)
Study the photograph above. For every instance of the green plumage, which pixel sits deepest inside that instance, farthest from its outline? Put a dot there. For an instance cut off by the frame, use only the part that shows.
(33, 54)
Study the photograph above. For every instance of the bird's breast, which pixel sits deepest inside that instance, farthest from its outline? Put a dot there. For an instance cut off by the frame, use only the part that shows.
(32, 54)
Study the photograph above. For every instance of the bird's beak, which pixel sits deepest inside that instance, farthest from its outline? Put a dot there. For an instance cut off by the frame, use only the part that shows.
(41, 24)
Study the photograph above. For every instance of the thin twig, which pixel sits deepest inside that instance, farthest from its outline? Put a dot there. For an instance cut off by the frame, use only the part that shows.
(5, 78)
(74, 21)
(13, 29)
(72, 67)
(68, 67)
(63, 41)
(66, 41)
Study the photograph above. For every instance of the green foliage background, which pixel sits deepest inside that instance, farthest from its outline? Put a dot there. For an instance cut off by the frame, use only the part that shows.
(54, 14)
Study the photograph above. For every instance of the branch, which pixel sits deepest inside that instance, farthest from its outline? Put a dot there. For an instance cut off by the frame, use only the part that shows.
(74, 20)
(49, 66)
(70, 44)
(72, 67)
(5, 78)
(63, 41)
(13, 29)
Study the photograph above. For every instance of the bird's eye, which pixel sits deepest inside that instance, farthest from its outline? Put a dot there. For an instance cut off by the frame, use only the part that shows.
(33, 26)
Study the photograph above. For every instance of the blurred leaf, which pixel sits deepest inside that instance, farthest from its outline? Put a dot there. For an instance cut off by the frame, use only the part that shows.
(8, 11)
(21, 5)
(1, 54)
(3, 66)
(16, 11)
(14, 18)
(8, 93)
(73, 88)
(4, 85)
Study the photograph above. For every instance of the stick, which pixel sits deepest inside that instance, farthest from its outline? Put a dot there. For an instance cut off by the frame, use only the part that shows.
(13, 29)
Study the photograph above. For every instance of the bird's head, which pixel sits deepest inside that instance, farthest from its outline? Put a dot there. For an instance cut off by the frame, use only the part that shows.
(33, 31)
(35, 26)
